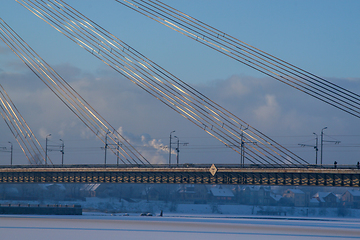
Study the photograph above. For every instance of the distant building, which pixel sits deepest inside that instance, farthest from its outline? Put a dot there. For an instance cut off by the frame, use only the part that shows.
(256, 195)
(197, 193)
(275, 199)
(90, 190)
(314, 202)
(150, 193)
(54, 191)
(351, 198)
(296, 197)
(326, 199)
(220, 194)
(9, 192)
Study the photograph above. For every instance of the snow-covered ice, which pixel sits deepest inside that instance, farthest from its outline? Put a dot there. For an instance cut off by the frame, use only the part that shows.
(113, 205)
(116, 226)
(180, 221)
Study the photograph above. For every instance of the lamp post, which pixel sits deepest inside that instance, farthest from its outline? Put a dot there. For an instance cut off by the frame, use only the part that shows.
(62, 152)
(106, 145)
(313, 146)
(117, 151)
(170, 148)
(242, 148)
(46, 147)
(316, 148)
(11, 154)
(177, 150)
(321, 144)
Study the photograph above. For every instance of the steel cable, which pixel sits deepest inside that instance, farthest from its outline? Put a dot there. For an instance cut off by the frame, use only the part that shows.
(225, 38)
(21, 131)
(266, 150)
(289, 74)
(70, 97)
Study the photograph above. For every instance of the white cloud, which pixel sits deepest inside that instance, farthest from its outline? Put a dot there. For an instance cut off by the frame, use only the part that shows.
(43, 133)
(234, 87)
(268, 105)
(153, 158)
(120, 131)
(158, 145)
(161, 150)
(270, 112)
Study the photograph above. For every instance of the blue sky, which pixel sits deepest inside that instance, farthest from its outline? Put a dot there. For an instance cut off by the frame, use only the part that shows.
(321, 37)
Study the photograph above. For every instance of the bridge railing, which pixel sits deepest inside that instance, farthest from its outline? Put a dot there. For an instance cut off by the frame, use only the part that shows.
(186, 165)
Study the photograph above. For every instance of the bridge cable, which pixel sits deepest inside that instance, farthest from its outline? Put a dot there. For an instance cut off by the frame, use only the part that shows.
(94, 121)
(287, 73)
(103, 49)
(218, 122)
(21, 131)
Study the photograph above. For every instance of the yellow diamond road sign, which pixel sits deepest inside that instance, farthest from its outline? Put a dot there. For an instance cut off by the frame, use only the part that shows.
(213, 169)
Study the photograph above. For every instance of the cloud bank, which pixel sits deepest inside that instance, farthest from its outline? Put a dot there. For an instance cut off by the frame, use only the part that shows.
(282, 113)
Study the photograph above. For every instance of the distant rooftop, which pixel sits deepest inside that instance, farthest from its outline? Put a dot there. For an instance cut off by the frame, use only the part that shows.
(296, 191)
(221, 192)
(355, 192)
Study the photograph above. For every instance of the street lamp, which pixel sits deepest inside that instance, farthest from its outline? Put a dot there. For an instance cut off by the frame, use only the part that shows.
(11, 153)
(106, 145)
(117, 151)
(313, 146)
(62, 152)
(316, 148)
(170, 148)
(242, 148)
(46, 147)
(321, 146)
(177, 150)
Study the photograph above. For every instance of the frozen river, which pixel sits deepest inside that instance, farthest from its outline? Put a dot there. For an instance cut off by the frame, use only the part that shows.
(173, 227)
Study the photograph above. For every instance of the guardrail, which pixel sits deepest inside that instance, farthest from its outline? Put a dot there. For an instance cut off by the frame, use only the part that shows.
(186, 165)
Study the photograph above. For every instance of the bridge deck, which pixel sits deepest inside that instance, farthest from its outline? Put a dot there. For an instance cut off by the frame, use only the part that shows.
(185, 174)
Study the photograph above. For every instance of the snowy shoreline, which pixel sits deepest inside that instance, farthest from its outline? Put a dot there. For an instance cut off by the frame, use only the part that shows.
(114, 206)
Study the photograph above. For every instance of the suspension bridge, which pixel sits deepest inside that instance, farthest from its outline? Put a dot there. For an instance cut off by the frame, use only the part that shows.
(266, 162)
